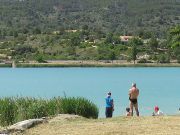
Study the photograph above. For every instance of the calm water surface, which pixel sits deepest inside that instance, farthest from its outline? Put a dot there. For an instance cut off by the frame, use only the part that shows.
(158, 86)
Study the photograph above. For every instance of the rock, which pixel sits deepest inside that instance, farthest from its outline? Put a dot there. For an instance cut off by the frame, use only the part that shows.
(22, 125)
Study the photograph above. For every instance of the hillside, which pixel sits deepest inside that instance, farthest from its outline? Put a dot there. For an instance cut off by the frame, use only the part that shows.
(117, 16)
(167, 125)
(42, 30)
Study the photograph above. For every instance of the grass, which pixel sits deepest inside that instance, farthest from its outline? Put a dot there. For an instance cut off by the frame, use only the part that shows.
(5, 65)
(17, 109)
(167, 125)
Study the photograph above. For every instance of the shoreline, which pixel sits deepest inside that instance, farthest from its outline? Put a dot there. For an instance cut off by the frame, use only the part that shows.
(78, 63)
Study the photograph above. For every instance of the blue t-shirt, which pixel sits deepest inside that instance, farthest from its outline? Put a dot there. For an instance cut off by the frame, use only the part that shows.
(109, 102)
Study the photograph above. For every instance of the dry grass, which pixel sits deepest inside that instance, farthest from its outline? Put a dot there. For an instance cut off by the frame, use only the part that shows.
(167, 125)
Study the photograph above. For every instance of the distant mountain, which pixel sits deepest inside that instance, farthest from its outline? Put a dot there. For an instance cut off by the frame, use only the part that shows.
(117, 16)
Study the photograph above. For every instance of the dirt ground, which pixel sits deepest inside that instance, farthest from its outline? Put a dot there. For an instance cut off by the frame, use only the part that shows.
(75, 125)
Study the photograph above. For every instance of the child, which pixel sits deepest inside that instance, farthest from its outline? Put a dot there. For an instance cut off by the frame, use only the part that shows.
(157, 112)
(128, 111)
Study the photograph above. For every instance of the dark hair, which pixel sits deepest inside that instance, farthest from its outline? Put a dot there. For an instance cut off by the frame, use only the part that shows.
(127, 109)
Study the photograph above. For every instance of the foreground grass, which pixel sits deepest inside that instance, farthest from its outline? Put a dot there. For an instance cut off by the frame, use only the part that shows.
(15, 109)
(167, 125)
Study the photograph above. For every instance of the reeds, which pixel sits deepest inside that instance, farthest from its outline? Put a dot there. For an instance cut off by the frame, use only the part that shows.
(14, 109)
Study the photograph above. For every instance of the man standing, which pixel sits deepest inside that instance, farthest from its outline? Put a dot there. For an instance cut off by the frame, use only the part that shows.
(133, 95)
(109, 106)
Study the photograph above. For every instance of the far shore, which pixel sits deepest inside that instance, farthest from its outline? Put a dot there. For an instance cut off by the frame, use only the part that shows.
(88, 63)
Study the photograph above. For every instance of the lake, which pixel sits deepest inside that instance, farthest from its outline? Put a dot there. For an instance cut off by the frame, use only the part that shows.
(158, 86)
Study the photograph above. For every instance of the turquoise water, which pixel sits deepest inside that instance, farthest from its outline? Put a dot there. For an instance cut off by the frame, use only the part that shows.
(158, 86)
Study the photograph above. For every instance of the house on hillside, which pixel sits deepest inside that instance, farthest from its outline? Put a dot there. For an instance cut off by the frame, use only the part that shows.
(125, 39)
(69, 31)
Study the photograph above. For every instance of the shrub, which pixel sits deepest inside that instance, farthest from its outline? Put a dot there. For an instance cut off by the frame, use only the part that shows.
(178, 59)
(40, 59)
(144, 61)
(163, 59)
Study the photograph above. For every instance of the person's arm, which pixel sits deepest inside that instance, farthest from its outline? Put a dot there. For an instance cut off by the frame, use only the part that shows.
(137, 92)
(129, 93)
(112, 102)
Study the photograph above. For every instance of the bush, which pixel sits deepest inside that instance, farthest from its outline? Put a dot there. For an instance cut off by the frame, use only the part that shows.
(163, 58)
(144, 61)
(178, 59)
(40, 59)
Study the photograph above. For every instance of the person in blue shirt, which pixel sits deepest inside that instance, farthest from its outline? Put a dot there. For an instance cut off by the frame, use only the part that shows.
(109, 106)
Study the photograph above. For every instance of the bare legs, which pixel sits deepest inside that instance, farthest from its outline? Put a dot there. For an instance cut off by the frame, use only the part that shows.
(136, 108)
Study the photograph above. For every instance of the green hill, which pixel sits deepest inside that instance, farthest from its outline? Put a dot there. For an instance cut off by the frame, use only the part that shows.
(90, 30)
(117, 16)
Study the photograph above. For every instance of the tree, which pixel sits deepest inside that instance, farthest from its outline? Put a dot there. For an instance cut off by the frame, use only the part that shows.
(134, 53)
(174, 37)
(36, 31)
(178, 58)
(153, 43)
(40, 59)
(15, 34)
(112, 56)
(75, 41)
(85, 27)
(174, 40)
(109, 38)
(136, 41)
(163, 58)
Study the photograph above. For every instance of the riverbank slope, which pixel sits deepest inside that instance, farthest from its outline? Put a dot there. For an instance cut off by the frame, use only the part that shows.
(90, 63)
(168, 125)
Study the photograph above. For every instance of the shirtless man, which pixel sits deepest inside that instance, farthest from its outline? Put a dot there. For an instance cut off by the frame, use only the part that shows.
(133, 95)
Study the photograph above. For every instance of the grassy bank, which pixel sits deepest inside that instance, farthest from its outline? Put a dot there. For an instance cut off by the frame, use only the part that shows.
(5, 65)
(79, 63)
(167, 125)
(17, 109)
(26, 65)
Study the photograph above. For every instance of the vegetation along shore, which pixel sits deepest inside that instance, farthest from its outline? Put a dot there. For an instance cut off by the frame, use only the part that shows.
(59, 121)
(87, 63)
(133, 31)
(16, 109)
